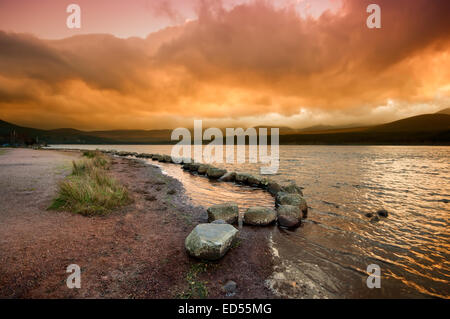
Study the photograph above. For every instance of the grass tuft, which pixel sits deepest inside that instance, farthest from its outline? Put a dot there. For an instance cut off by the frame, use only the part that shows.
(196, 287)
(90, 190)
(91, 154)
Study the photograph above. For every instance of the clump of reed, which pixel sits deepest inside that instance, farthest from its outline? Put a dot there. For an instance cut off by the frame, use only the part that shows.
(90, 190)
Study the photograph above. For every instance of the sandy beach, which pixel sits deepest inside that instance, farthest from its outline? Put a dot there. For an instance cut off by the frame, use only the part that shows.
(136, 251)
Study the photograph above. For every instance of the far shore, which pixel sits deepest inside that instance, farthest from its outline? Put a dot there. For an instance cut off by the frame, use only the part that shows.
(136, 251)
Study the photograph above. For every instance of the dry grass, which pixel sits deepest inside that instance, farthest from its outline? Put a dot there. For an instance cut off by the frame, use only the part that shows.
(90, 190)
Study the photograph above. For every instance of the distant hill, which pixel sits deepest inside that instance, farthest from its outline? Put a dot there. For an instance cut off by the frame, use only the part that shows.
(282, 129)
(134, 136)
(321, 128)
(427, 129)
(444, 111)
(11, 133)
(420, 123)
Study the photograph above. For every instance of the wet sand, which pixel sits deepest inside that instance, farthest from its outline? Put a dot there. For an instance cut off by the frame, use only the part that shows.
(134, 252)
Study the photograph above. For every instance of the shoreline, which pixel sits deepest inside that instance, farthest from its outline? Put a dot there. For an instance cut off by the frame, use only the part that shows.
(134, 252)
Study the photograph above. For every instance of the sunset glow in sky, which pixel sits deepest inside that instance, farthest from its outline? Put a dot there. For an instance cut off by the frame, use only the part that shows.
(149, 64)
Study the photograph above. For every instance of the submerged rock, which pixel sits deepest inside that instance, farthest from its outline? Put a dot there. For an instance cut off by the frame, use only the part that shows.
(157, 157)
(292, 188)
(383, 213)
(194, 167)
(144, 155)
(187, 166)
(289, 216)
(259, 216)
(284, 198)
(229, 212)
(228, 177)
(202, 168)
(215, 173)
(375, 219)
(242, 178)
(123, 153)
(253, 180)
(263, 182)
(167, 159)
(273, 188)
(210, 241)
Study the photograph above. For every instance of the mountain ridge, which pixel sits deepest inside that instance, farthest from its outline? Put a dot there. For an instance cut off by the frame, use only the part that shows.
(421, 129)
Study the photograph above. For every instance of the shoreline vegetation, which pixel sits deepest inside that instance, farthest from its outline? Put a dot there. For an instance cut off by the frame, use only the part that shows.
(90, 190)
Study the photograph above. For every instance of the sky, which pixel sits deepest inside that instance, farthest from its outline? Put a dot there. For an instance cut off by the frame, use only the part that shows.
(154, 64)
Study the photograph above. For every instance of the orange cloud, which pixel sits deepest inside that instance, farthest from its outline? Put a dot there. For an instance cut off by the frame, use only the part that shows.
(251, 64)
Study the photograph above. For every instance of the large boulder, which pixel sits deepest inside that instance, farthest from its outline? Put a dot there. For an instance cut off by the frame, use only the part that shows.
(210, 241)
(229, 212)
(284, 198)
(289, 216)
(215, 173)
(273, 188)
(228, 177)
(202, 169)
(292, 188)
(259, 216)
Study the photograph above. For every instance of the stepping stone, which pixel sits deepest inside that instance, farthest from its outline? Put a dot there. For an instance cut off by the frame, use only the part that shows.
(289, 216)
(259, 216)
(284, 198)
(215, 173)
(210, 241)
(229, 212)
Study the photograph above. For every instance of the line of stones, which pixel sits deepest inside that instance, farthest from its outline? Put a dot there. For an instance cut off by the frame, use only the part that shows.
(212, 240)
